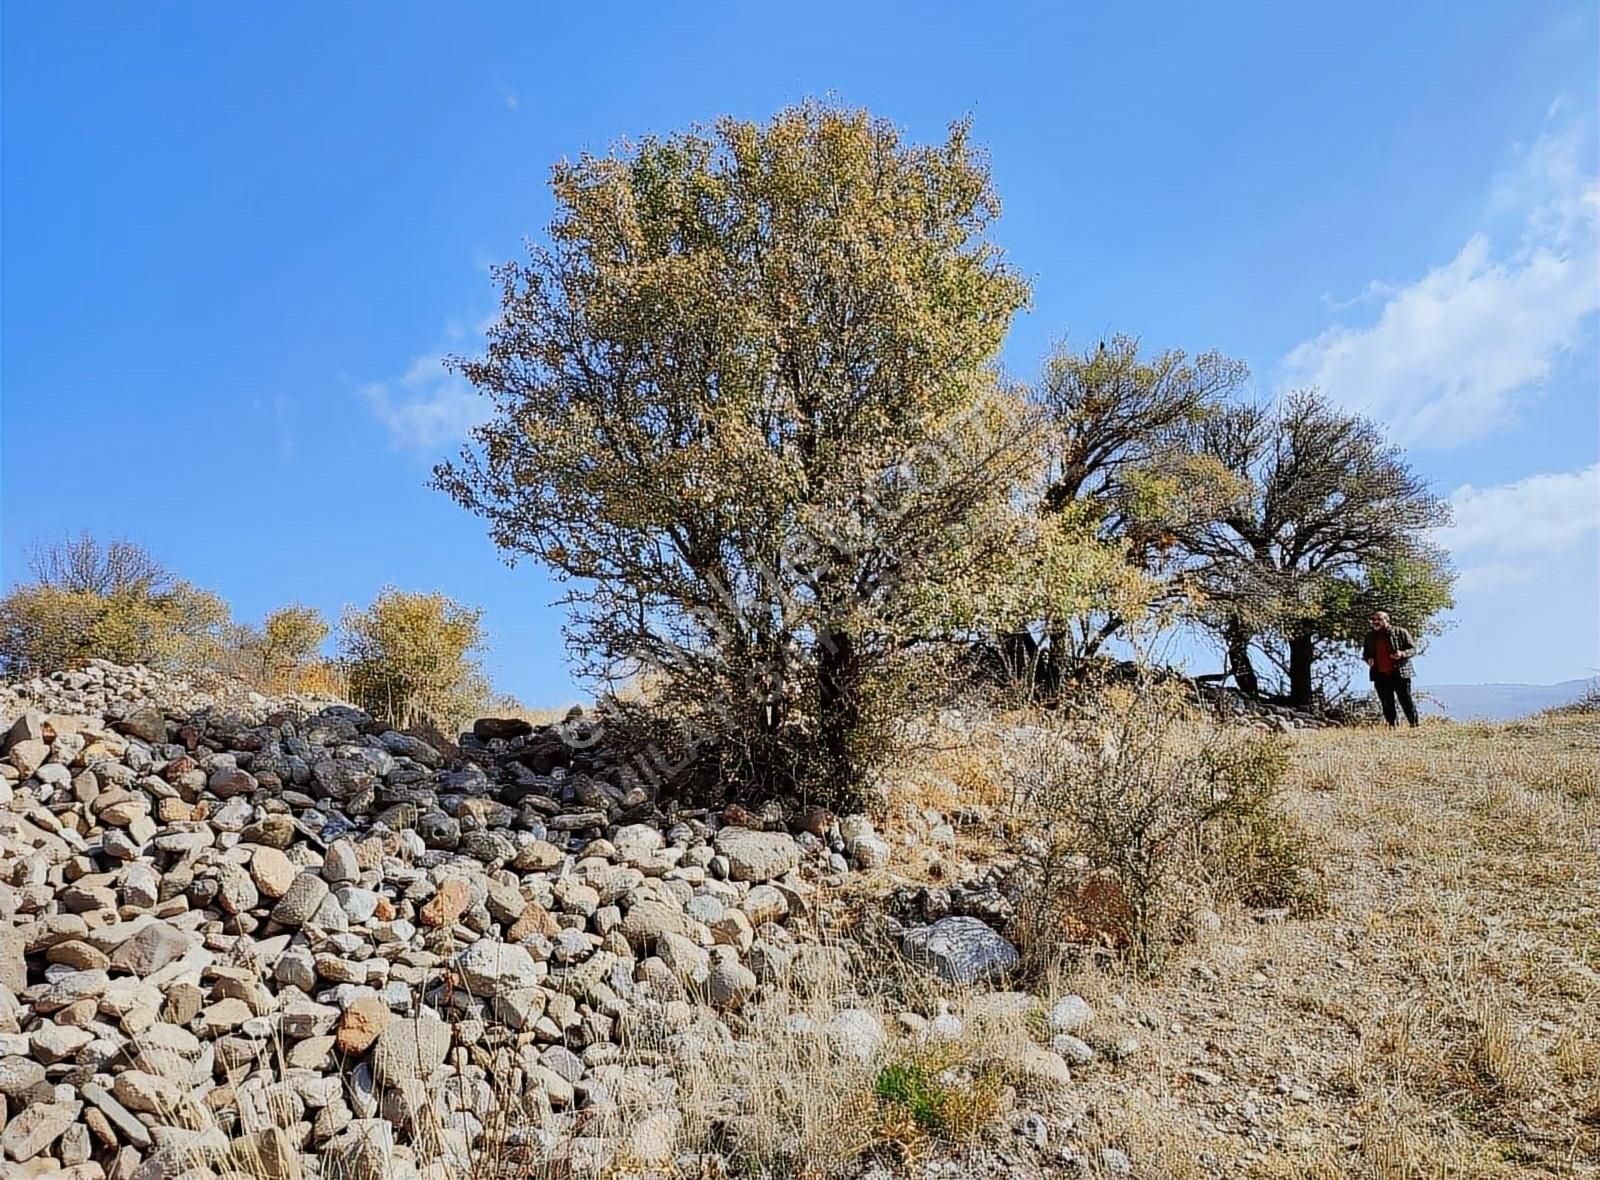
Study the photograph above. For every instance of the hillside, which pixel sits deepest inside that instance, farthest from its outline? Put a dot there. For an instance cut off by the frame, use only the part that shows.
(1499, 702)
(257, 937)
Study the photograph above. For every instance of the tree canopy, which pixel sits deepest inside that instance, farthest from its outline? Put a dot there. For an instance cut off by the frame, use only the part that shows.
(746, 405)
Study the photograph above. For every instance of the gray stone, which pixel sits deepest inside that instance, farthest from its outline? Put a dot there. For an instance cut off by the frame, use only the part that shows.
(301, 901)
(730, 985)
(489, 968)
(1070, 1014)
(961, 950)
(757, 856)
(360, 1151)
(409, 1049)
(150, 949)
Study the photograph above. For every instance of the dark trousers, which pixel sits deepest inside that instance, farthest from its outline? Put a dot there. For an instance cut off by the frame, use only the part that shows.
(1395, 688)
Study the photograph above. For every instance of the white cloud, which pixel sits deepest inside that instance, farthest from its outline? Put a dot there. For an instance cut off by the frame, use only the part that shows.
(1451, 355)
(1502, 535)
(427, 408)
(512, 101)
(1539, 513)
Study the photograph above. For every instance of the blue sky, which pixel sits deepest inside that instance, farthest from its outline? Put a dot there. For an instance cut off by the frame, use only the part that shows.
(237, 238)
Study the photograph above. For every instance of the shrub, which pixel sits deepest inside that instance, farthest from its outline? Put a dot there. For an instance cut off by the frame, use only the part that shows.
(107, 601)
(411, 658)
(282, 655)
(1140, 801)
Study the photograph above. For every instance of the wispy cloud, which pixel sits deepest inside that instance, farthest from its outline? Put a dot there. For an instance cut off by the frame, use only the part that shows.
(1451, 355)
(428, 407)
(512, 101)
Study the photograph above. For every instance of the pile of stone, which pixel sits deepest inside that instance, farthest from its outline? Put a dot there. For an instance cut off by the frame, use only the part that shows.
(262, 941)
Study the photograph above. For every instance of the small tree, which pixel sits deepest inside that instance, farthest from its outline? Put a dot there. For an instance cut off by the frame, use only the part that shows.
(107, 601)
(746, 406)
(411, 658)
(1332, 514)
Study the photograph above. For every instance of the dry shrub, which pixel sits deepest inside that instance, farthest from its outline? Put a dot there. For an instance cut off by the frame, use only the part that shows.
(1163, 804)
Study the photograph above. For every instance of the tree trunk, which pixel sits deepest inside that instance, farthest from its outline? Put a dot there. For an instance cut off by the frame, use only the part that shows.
(838, 717)
(1021, 655)
(1302, 654)
(1244, 672)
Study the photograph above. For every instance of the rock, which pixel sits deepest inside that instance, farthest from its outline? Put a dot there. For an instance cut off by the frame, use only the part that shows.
(1115, 1162)
(28, 755)
(236, 891)
(361, 1151)
(361, 1024)
(447, 904)
(1041, 1066)
(36, 1128)
(272, 871)
(650, 1140)
(301, 900)
(13, 960)
(1070, 1014)
(488, 969)
(119, 1116)
(646, 921)
(961, 950)
(18, 1075)
(150, 949)
(409, 1049)
(148, 725)
(856, 1033)
(142, 1092)
(757, 856)
(731, 983)
(488, 729)
(339, 866)
(1072, 1050)
(29, 726)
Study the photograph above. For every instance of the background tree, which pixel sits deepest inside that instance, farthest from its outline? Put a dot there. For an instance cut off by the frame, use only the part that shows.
(412, 658)
(1332, 513)
(86, 565)
(1122, 464)
(1414, 588)
(282, 654)
(115, 601)
(744, 405)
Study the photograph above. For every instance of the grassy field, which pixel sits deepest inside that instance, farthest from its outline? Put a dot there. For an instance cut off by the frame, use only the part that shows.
(1441, 1017)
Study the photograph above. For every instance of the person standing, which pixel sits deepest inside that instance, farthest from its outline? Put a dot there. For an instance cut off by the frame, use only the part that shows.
(1388, 650)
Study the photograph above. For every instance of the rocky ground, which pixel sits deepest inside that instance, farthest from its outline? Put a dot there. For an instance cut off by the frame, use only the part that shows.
(272, 937)
(252, 937)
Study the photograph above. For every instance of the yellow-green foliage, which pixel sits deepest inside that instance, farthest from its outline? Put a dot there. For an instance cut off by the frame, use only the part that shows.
(282, 654)
(411, 658)
(748, 407)
(45, 628)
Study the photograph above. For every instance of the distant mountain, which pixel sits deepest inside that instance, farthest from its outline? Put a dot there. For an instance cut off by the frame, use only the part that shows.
(1497, 702)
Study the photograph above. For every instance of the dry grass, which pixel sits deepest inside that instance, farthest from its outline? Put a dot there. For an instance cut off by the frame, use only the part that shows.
(1441, 1018)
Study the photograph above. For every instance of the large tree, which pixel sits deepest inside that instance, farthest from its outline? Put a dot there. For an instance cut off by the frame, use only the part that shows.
(1331, 518)
(1121, 467)
(745, 405)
